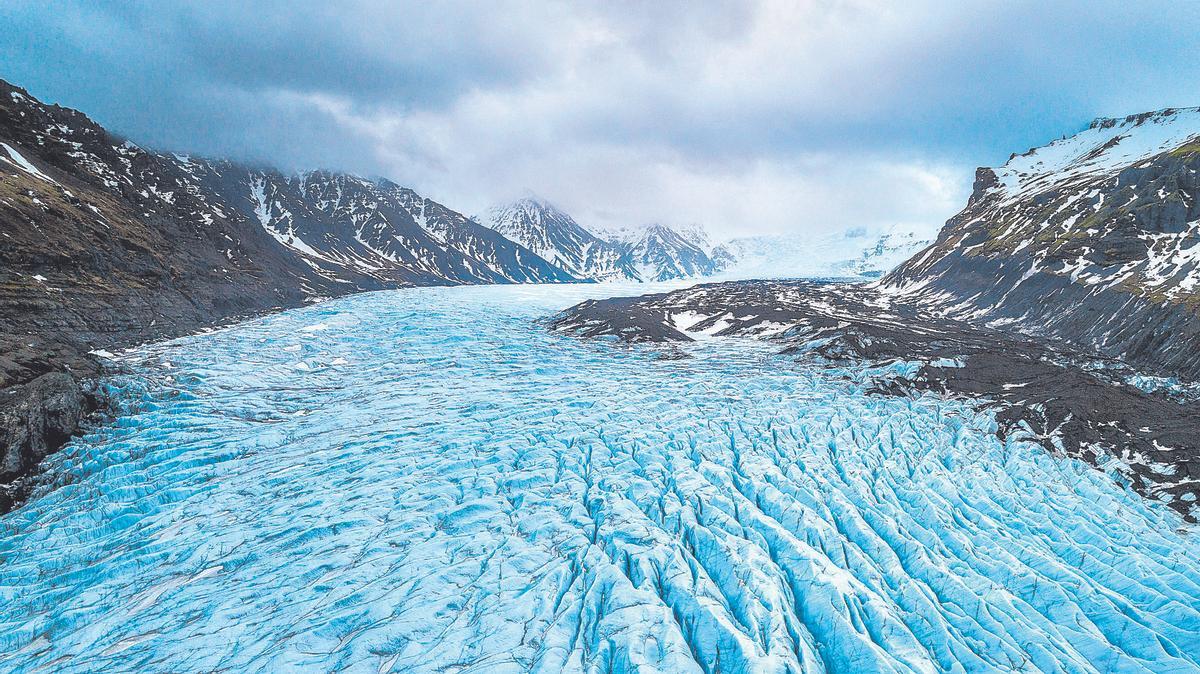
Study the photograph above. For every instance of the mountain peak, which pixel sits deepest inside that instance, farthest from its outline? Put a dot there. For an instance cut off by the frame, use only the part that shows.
(659, 230)
(540, 209)
(1141, 117)
(532, 200)
(553, 234)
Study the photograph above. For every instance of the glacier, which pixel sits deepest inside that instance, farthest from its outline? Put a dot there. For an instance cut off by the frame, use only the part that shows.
(428, 480)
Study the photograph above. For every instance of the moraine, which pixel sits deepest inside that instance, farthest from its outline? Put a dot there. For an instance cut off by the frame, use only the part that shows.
(430, 480)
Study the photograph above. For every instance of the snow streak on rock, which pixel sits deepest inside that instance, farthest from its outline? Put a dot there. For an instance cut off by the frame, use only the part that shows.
(427, 480)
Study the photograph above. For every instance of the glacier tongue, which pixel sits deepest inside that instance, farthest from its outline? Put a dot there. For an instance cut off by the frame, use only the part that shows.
(427, 480)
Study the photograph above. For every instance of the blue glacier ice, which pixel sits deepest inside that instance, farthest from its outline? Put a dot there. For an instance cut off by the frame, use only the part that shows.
(429, 480)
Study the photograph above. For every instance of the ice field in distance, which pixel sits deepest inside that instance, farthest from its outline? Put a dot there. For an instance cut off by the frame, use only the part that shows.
(429, 481)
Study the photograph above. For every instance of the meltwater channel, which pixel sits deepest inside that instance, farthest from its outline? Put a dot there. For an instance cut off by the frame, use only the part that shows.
(429, 480)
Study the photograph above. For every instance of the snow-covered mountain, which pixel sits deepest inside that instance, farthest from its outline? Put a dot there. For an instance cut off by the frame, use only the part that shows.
(646, 253)
(551, 233)
(694, 234)
(662, 253)
(345, 226)
(348, 231)
(1093, 239)
(854, 253)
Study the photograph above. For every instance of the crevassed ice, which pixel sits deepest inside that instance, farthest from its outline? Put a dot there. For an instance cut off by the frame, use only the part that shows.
(432, 482)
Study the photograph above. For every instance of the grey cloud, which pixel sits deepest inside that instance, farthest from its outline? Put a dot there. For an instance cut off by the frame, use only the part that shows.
(476, 100)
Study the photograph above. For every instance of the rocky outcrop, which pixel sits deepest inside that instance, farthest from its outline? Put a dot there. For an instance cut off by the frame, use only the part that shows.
(37, 418)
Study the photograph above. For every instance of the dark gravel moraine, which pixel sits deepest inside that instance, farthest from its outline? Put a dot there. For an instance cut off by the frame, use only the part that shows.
(1072, 402)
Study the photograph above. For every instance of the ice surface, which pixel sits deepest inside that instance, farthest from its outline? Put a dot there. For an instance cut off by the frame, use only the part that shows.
(448, 487)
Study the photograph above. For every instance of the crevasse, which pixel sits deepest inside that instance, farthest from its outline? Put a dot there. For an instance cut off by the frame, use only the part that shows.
(428, 480)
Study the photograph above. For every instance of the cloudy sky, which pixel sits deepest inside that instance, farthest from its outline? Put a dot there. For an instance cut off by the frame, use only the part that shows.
(748, 117)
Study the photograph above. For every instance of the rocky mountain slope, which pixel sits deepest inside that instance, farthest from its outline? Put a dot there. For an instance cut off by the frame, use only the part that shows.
(548, 231)
(103, 244)
(371, 231)
(662, 253)
(1092, 239)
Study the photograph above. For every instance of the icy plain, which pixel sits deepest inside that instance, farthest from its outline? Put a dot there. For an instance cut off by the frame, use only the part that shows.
(430, 481)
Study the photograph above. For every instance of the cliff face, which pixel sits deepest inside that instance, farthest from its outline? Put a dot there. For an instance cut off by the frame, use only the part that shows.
(1092, 240)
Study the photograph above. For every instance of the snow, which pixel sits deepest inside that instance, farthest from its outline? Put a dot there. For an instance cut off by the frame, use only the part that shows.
(476, 493)
(18, 160)
(167, 196)
(1174, 257)
(1107, 146)
(687, 322)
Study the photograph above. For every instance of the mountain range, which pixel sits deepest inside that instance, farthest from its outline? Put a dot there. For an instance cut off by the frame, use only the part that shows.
(1092, 242)
(656, 252)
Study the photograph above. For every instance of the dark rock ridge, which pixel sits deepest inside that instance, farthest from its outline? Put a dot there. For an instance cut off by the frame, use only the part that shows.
(1085, 408)
(104, 244)
(1093, 240)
